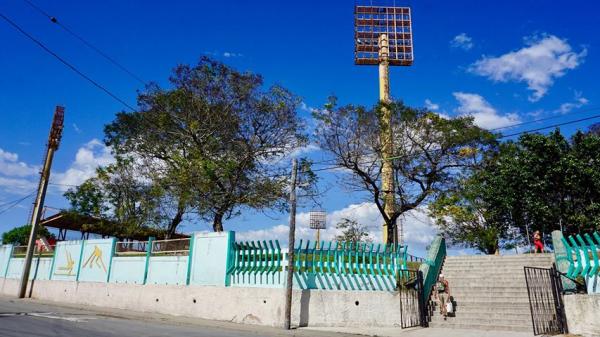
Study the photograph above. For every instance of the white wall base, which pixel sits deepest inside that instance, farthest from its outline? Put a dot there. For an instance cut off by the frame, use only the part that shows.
(262, 306)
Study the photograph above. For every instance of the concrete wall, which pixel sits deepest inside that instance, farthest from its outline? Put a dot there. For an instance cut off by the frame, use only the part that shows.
(263, 306)
(5, 252)
(128, 269)
(96, 260)
(583, 314)
(40, 268)
(66, 260)
(167, 270)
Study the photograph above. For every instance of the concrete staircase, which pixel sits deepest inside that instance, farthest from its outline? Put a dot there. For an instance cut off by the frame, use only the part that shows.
(489, 292)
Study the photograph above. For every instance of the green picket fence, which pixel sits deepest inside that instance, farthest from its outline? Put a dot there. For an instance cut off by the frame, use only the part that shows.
(335, 258)
(583, 254)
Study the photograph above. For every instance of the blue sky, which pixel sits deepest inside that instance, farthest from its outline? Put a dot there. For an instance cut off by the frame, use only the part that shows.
(503, 62)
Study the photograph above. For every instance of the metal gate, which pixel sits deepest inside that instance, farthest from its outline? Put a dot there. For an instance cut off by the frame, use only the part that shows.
(410, 290)
(544, 288)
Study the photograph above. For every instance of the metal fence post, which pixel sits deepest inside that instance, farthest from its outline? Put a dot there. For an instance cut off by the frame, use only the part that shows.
(80, 259)
(190, 260)
(148, 254)
(110, 259)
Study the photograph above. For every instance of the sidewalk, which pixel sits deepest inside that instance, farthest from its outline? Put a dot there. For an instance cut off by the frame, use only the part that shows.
(422, 332)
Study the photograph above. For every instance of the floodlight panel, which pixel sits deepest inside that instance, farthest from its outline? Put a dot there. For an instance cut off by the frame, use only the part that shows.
(318, 220)
(372, 21)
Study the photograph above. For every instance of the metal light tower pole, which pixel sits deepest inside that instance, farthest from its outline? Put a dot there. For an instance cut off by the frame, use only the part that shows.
(53, 142)
(383, 37)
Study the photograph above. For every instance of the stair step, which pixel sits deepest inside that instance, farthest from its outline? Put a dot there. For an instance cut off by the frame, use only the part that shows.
(515, 264)
(504, 301)
(472, 326)
(502, 257)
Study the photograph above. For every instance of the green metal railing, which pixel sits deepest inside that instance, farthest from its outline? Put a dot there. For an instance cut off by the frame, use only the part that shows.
(582, 254)
(334, 258)
(433, 265)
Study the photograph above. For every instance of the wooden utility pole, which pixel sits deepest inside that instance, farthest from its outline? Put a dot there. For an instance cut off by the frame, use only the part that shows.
(53, 142)
(291, 243)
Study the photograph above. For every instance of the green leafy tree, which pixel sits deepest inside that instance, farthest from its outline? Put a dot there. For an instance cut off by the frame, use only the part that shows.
(211, 143)
(539, 182)
(430, 154)
(123, 200)
(20, 235)
(352, 231)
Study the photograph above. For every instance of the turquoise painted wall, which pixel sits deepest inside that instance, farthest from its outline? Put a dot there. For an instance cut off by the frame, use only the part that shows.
(96, 260)
(211, 262)
(167, 270)
(211, 258)
(5, 252)
(128, 269)
(15, 268)
(66, 260)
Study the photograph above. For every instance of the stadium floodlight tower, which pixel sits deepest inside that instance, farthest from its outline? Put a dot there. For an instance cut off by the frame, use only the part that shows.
(318, 221)
(383, 36)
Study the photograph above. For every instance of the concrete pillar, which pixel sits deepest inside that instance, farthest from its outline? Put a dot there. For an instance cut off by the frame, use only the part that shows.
(211, 258)
(562, 263)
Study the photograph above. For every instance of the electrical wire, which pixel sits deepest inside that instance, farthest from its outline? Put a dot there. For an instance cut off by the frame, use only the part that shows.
(88, 44)
(14, 203)
(545, 119)
(65, 62)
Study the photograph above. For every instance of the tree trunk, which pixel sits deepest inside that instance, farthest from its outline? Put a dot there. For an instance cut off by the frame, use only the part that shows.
(218, 222)
(174, 223)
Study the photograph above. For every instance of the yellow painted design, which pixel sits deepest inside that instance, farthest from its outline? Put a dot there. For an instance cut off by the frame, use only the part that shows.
(95, 257)
(67, 269)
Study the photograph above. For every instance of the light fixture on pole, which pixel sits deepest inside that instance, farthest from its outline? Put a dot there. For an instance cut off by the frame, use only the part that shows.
(383, 37)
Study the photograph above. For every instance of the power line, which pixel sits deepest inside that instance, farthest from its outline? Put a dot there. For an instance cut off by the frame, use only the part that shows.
(88, 44)
(14, 203)
(551, 126)
(544, 119)
(66, 63)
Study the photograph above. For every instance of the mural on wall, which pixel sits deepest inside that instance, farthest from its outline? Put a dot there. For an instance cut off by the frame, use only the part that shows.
(67, 268)
(95, 258)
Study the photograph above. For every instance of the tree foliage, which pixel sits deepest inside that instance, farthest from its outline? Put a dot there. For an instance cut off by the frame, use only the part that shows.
(430, 153)
(352, 231)
(539, 182)
(20, 235)
(210, 144)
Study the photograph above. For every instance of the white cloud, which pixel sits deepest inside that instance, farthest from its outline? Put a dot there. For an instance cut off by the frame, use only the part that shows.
(418, 229)
(434, 107)
(429, 105)
(11, 166)
(230, 54)
(88, 158)
(577, 103)
(538, 64)
(484, 114)
(20, 186)
(462, 41)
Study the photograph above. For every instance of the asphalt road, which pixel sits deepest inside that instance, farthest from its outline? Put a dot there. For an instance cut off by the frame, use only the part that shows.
(19, 318)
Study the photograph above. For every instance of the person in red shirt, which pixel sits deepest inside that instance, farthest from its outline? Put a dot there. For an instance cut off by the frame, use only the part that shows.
(537, 242)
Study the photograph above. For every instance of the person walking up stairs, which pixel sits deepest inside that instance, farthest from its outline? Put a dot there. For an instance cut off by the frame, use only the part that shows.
(489, 292)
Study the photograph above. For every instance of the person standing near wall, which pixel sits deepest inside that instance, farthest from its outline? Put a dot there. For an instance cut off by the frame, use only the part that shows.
(442, 294)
